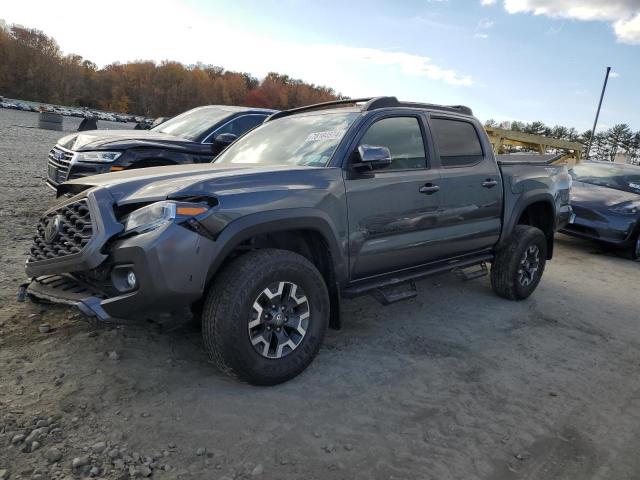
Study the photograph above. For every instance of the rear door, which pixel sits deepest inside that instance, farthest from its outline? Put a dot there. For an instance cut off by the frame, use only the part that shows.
(392, 211)
(471, 185)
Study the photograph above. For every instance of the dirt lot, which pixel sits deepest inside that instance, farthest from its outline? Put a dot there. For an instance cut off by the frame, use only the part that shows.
(456, 384)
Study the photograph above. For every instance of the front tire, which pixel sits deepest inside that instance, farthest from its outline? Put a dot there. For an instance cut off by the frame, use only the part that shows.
(265, 316)
(634, 251)
(518, 266)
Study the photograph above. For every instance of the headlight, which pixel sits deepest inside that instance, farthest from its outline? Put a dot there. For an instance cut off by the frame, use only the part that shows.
(627, 208)
(157, 214)
(97, 157)
(150, 217)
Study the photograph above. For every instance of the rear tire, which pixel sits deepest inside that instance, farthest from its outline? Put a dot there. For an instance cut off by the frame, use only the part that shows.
(265, 316)
(519, 265)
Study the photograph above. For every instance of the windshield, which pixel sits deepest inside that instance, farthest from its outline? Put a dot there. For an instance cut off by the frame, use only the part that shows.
(298, 140)
(192, 123)
(619, 177)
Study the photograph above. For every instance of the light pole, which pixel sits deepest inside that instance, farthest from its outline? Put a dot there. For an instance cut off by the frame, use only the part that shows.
(595, 122)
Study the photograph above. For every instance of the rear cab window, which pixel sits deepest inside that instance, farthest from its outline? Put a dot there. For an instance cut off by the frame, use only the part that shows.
(457, 142)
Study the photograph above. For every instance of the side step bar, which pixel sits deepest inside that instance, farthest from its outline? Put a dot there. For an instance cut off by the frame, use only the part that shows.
(471, 273)
(393, 280)
(388, 295)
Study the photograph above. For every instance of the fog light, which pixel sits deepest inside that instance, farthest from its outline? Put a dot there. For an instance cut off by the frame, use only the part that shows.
(131, 279)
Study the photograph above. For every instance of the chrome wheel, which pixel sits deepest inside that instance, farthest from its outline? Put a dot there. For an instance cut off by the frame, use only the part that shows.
(637, 254)
(279, 320)
(529, 266)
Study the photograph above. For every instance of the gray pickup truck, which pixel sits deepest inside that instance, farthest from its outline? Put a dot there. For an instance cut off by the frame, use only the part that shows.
(319, 203)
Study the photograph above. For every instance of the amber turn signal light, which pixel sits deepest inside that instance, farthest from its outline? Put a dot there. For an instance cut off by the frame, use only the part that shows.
(190, 211)
(116, 169)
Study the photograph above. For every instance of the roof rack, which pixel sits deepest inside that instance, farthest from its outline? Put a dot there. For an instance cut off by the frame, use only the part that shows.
(446, 108)
(373, 103)
(317, 106)
(385, 102)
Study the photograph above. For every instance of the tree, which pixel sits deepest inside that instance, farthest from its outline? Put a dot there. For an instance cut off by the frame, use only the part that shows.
(559, 132)
(32, 67)
(517, 126)
(535, 128)
(634, 148)
(618, 139)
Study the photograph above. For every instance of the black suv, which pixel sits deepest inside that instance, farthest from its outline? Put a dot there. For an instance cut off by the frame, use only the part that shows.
(195, 136)
(318, 203)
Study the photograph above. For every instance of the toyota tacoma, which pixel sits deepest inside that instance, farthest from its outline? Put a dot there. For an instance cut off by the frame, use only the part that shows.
(318, 203)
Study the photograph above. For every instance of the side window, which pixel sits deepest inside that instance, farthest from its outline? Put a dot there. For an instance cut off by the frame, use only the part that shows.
(457, 142)
(240, 125)
(403, 137)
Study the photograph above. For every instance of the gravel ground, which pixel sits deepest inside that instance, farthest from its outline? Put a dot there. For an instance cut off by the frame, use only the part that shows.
(455, 384)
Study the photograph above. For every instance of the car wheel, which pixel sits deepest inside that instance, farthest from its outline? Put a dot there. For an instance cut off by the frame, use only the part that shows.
(518, 266)
(265, 316)
(635, 248)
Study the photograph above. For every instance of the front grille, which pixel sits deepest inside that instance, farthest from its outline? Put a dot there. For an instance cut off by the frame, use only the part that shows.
(58, 165)
(70, 235)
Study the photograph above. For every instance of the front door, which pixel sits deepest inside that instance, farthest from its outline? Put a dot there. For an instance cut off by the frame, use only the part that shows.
(392, 211)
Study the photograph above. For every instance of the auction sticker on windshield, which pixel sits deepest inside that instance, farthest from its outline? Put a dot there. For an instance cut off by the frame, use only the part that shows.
(326, 135)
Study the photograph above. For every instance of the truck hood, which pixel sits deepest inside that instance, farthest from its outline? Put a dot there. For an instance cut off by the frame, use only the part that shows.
(594, 196)
(209, 179)
(121, 140)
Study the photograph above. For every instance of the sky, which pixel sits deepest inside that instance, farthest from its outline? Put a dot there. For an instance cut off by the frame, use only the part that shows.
(507, 59)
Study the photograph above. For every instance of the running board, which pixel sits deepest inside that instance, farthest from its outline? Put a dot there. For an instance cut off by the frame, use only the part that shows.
(392, 294)
(367, 286)
(471, 273)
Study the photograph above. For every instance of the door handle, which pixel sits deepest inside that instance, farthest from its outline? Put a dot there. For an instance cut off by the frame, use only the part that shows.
(429, 189)
(488, 183)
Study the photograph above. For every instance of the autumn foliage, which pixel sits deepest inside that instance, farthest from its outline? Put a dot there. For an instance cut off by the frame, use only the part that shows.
(32, 67)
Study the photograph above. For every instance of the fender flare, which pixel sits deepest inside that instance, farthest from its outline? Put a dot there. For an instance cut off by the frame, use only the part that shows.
(523, 202)
(237, 231)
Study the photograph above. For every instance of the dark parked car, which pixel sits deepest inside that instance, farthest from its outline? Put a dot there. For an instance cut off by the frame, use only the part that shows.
(195, 136)
(316, 204)
(606, 203)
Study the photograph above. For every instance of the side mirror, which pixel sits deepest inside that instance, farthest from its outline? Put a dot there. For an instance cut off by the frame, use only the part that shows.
(222, 141)
(372, 157)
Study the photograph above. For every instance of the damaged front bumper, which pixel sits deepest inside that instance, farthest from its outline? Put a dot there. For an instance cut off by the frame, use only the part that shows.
(66, 290)
(170, 267)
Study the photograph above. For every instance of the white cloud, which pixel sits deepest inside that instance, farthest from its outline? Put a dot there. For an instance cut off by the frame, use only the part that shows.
(623, 15)
(488, 2)
(581, 91)
(409, 64)
(628, 31)
(614, 74)
(485, 23)
(168, 29)
(481, 35)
